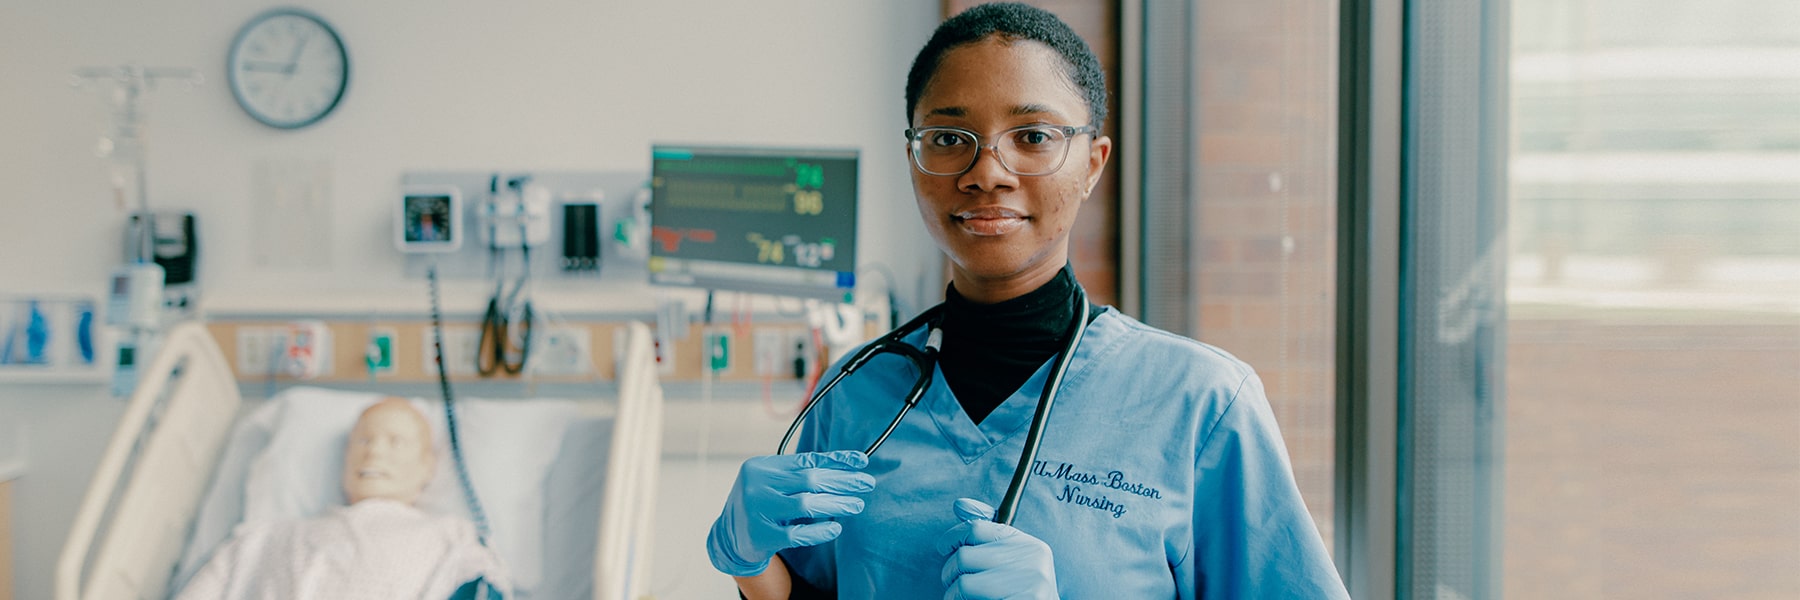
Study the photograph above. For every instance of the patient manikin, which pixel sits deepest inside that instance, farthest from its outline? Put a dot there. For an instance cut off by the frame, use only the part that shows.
(378, 547)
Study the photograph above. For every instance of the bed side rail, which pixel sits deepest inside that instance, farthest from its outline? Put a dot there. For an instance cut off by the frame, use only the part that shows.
(134, 520)
(622, 557)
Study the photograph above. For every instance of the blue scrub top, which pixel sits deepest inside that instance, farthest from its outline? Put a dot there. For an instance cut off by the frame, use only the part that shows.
(1161, 475)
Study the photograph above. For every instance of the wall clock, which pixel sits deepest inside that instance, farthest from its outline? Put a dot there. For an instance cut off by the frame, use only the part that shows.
(288, 68)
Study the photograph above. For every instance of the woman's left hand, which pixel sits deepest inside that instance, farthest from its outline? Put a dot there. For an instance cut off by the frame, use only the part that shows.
(989, 561)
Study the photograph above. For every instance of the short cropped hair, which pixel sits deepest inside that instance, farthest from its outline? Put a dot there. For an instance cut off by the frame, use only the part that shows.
(1011, 21)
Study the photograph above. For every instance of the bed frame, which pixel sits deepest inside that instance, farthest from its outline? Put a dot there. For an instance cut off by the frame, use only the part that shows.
(139, 508)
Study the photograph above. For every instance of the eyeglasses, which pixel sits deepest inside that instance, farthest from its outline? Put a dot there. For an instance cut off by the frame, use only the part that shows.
(1026, 151)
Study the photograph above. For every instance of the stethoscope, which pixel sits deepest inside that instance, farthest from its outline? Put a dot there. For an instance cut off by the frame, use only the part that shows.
(925, 359)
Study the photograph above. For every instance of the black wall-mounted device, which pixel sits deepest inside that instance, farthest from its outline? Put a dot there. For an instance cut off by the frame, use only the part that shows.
(581, 236)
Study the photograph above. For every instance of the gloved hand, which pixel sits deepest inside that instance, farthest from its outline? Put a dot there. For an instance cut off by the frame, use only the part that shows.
(786, 501)
(989, 561)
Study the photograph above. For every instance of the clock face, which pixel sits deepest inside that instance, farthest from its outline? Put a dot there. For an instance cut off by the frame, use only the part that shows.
(288, 69)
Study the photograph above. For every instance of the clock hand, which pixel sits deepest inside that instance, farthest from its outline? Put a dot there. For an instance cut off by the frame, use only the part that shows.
(265, 66)
(295, 59)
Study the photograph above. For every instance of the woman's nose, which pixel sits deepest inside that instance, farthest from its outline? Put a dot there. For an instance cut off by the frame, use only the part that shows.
(988, 173)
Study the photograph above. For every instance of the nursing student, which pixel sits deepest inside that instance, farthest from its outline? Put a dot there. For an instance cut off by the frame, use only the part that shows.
(1161, 473)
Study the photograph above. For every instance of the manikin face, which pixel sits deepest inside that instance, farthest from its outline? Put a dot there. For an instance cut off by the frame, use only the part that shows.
(389, 455)
(997, 226)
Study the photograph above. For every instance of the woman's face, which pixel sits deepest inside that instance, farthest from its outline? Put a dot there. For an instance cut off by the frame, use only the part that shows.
(999, 227)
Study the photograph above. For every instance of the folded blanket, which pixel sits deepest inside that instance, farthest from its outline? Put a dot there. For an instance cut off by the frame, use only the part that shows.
(376, 549)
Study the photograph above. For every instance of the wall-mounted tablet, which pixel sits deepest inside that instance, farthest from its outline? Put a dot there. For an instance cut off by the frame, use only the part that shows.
(429, 218)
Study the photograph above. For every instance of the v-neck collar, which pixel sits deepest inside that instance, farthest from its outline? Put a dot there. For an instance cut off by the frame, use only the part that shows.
(1013, 416)
(971, 441)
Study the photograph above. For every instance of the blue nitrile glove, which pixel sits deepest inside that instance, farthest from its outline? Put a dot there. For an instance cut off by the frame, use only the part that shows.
(989, 561)
(786, 501)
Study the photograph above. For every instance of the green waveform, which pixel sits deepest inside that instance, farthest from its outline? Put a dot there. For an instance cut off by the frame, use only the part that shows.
(755, 168)
(721, 195)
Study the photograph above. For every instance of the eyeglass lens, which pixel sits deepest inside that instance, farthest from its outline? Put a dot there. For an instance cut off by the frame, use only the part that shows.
(1024, 151)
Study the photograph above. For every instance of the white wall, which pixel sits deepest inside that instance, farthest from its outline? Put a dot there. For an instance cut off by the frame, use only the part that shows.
(461, 84)
(454, 84)
(66, 430)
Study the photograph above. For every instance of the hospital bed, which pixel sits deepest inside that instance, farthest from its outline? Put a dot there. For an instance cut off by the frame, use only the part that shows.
(171, 482)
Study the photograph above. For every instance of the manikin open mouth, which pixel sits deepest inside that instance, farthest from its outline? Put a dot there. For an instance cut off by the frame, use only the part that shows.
(373, 474)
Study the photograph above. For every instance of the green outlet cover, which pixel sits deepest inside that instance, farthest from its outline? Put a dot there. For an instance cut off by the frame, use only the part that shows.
(720, 349)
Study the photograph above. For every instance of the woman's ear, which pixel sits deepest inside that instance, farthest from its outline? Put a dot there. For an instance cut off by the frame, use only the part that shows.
(1098, 153)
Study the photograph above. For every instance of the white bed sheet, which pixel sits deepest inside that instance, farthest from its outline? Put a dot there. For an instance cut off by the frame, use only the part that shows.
(568, 489)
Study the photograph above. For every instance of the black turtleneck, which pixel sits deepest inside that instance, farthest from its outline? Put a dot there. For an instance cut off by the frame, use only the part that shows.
(991, 349)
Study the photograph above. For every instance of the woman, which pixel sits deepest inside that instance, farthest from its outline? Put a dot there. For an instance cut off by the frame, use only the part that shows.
(1161, 473)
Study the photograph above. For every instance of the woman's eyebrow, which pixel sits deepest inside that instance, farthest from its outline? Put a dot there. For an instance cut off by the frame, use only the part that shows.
(1019, 110)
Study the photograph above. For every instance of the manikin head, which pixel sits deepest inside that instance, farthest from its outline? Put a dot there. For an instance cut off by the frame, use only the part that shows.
(389, 455)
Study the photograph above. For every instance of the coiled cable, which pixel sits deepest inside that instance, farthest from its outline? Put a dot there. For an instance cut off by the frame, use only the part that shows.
(456, 456)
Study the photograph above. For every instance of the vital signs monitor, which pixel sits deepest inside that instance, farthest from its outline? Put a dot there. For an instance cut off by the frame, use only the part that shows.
(762, 220)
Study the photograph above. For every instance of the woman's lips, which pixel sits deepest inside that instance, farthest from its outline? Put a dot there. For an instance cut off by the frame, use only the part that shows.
(990, 221)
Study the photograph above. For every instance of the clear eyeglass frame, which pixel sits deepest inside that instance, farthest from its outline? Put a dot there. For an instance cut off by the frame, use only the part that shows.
(1050, 157)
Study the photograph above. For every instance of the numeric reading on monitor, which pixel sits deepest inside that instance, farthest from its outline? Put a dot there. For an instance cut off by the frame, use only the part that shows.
(779, 221)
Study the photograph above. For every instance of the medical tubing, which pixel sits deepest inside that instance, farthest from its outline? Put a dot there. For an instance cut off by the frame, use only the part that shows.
(493, 329)
(462, 467)
(1010, 504)
(526, 312)
(526, 317)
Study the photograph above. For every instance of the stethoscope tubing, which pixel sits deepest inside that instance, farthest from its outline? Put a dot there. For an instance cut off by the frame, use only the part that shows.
(926, 361)
(1009, 505)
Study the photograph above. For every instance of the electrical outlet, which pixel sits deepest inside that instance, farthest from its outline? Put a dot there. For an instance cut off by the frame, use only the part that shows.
(801, 353)
(717, 353)
(259, 350)
(664, 348)
(379, 354)
(771, 353)
(460, 345)
(563, 351)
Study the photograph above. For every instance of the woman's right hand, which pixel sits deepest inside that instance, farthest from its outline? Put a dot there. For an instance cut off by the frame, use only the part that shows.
(786, 501)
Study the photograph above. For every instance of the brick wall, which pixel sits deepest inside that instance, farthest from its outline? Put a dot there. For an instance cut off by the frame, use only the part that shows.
(1266, 213)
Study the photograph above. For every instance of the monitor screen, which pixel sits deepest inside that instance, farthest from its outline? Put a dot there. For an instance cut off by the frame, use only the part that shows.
(775, 221)
(427, 218)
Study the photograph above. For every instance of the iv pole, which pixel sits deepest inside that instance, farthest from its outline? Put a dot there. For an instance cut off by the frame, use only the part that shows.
(137, 299)
(129, 119)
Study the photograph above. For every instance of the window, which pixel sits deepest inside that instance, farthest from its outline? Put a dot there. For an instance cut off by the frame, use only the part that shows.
(1652, 445)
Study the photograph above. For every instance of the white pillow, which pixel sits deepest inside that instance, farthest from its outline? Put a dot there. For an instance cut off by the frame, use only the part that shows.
(507, 444)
